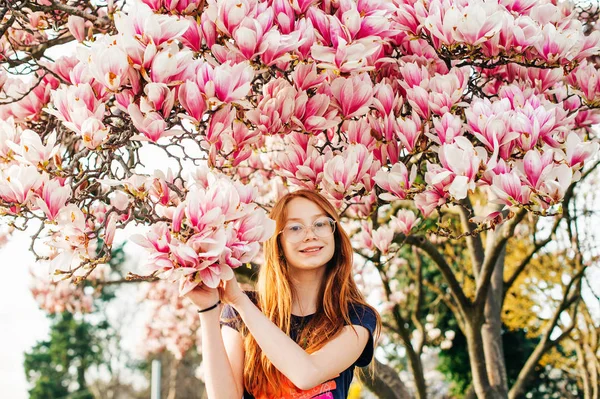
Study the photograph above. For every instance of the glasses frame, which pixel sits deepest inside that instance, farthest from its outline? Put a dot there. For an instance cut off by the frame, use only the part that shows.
(332, 222)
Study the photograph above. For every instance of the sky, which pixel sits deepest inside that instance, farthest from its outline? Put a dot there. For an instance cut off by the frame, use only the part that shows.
(22, 323)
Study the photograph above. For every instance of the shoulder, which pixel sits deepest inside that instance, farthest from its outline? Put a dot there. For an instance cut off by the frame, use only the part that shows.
(363, 315)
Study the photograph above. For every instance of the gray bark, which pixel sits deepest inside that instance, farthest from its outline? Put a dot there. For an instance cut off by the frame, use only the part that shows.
(386, 383)
(491, 331)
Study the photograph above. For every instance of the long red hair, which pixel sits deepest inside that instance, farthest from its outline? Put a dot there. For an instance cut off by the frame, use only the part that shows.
(274, 297)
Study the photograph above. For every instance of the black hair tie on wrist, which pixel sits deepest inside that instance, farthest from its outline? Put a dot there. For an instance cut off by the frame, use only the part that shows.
(210, 308)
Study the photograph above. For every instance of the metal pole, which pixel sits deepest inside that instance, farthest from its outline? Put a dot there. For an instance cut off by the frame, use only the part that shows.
(155, 387)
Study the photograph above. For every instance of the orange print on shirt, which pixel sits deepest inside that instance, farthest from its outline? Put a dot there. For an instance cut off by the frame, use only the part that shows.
(323, 391)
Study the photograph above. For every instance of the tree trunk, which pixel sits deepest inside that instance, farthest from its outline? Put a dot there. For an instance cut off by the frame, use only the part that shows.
(386, 383)
(491, 331)
(414, 360)
(481, 382)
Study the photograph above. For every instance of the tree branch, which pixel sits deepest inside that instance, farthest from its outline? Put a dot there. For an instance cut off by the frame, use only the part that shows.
(461, 299)
(474, 243)
(483, 282)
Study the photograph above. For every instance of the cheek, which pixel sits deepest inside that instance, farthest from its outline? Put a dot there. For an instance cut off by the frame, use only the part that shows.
(287, 249)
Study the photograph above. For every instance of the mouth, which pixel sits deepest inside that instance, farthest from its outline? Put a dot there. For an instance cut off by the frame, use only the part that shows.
(311, 250)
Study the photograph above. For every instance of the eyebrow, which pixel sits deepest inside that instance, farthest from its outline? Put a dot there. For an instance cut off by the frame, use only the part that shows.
(313, 217)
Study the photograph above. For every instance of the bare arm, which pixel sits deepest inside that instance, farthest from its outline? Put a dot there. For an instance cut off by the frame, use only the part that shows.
(304, 370)
(223, 358)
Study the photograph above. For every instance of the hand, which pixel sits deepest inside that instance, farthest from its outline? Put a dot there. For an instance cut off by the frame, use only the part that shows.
(203, 296)
(231, 292)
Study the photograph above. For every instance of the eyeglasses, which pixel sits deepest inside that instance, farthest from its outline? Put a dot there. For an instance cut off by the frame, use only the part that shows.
(296, 232)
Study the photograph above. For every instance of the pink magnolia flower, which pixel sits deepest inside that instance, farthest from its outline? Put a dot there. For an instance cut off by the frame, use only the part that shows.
(586, 80)
(307, 38)
(302, 166)
(94, 133)
(473, 24)
(275, 109)
(17, 183)
(553, 189)
(158, 97)
(275, 48)
(53, 198)
(157, 239)
(404, 221)
(229, 82)
(353, 95)
(284, 15)
(108, 64)
(418, 98)
(382, 238)
(578, 151)
(229, 14)
(429, 200)
(314, 114)
(460, 163)
(76, 26)
(509, 190)
(110, 229)
(152, 125)
(447, 90)
(192, 38)
(147, 27)
(537, 166)
(359, 132)
(413, 75)
(345, 57)
(408, 131)
(31, 150)
(193, 101)
(74, 105)
(182, 6)
(255, 227)
(306, 76)
(168, 65)
(9, 133)
(385, 100)
(447, 129)
(558, 45)
(397, 182)
(345, 173)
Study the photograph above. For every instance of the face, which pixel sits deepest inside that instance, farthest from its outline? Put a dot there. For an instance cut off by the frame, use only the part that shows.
(314, 248)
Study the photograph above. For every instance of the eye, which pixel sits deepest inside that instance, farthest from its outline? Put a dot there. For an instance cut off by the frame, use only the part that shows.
(321, 223)
(294, 228)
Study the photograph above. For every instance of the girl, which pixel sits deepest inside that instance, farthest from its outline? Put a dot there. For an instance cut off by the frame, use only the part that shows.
(305, 328)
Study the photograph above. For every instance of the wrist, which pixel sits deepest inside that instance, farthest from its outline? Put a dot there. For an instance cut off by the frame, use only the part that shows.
(210, 308)
(239, 302)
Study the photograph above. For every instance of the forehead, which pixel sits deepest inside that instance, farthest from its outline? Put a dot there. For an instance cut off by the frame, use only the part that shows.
(303, 209)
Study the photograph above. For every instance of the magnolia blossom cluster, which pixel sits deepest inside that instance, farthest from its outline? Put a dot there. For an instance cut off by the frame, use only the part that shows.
(64, 296)
(214, 230)
(171, 324)
(368, 102)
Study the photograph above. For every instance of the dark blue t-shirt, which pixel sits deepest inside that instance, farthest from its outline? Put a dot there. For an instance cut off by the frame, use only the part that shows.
(337, 388)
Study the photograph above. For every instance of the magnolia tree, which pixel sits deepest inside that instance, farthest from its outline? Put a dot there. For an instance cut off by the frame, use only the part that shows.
(411, 109)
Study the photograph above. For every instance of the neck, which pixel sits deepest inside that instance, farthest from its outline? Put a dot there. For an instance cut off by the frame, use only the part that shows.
(306, 286)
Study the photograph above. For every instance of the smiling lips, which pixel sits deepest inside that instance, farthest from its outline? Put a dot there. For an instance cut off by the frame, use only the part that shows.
(311, 250)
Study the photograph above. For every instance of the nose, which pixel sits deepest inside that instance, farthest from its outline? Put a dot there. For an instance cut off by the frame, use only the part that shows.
(310, 232)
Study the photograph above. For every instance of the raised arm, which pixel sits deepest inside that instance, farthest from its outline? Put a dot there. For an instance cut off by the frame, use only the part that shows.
(222, 349)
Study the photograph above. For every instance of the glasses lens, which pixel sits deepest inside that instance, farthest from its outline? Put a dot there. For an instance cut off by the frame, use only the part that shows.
(324, 227)
(294, 233)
